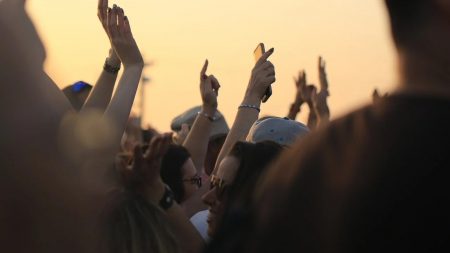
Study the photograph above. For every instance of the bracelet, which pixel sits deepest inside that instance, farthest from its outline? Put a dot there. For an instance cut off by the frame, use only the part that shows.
(210, 118)
(249, 106)
(110, 69)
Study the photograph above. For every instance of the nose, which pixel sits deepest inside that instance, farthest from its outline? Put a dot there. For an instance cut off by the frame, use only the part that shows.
(210, 198)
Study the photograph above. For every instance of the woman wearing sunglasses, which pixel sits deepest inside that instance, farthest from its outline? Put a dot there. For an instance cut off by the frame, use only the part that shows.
(179, 173)
(232, 186)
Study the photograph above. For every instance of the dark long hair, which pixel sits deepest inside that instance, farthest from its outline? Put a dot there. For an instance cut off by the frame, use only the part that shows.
(171, 173)
(253, 158)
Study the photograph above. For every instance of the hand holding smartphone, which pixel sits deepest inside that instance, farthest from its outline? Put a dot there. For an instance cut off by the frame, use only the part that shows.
(258, 53)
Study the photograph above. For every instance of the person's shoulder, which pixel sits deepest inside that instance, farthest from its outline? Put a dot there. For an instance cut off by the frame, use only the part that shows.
(367, 130)
(323, 148)
(343, 131)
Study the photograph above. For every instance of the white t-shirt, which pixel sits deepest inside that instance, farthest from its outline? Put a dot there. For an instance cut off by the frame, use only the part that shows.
(199, 221)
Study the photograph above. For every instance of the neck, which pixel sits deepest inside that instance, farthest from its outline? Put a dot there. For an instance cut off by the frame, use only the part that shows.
(425, 73)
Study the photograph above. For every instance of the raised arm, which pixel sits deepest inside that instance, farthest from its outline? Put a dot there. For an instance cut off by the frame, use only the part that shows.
(198, 137)
(25, 88)
(319, 100)
(304, 95)
(100, 96)
(32, 109)
(300, 85)
(128, 52)
(263, 75)
(312, 116)
(197, 140)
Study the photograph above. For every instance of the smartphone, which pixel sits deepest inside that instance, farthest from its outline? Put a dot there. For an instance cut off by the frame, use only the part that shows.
(258, 53)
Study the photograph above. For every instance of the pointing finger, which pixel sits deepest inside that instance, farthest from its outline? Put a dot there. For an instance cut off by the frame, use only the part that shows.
(203, 72)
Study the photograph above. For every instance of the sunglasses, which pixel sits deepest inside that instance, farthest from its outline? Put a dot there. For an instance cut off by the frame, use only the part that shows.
(197, 180)
(219, 185)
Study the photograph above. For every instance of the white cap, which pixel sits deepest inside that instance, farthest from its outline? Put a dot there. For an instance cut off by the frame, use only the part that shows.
(283, 131)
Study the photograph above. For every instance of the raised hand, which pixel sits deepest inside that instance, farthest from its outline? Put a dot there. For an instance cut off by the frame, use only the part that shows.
(323, 76)
(320, 106)
(102, 13)
(209, 88)
(121, 38)
(300, 84)
(144, 174)
(263, 75)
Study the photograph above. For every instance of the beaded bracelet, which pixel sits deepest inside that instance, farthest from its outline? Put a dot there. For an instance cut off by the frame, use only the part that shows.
(250, 106)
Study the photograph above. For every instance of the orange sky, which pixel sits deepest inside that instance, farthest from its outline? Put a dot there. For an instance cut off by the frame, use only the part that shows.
(178, 35)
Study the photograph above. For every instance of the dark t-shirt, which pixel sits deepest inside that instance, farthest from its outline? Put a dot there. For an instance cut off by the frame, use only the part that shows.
(373, 181)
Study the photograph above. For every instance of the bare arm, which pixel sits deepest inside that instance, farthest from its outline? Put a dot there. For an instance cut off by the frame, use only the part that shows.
(300, 84)
(32, 109)
(100, 96)
(319, 100)
(321, 109)
(25, 88)
(127, 50)
(197, 140)
(294, 110)
(198, 137)
(312, 116)
(263, 75)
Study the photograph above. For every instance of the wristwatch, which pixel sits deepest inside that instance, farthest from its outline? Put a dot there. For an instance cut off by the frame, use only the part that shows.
(109, 68)
(167, 200)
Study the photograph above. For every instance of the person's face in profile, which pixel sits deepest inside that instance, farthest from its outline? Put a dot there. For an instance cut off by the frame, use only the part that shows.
(218, 189)
(191, 180)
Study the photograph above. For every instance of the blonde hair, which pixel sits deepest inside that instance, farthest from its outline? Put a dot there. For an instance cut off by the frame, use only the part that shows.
(135, 225)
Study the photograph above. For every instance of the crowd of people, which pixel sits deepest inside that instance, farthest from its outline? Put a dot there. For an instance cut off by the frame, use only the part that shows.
(77, 174)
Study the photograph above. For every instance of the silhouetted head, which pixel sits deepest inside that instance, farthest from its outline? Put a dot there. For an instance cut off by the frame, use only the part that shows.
(179, 173)
(421, 32)
(417, 23)
(214, 146)
(77, 94)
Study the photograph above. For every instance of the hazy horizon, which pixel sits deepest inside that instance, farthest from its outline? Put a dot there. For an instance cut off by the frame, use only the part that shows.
(177, 36)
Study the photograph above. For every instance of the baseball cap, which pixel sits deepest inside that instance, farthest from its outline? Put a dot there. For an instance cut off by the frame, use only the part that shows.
(77, 93)
(283, 131)
(219, 126)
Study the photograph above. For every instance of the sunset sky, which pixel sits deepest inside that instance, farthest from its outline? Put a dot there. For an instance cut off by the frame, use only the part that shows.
(178, 35)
